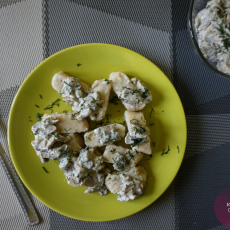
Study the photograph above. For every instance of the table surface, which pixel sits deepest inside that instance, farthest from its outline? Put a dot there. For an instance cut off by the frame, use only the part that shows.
(32, 30)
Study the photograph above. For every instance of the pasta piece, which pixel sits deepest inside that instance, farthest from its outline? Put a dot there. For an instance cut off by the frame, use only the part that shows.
(133, 93)
(104, 135)
(121, 157)
(138, 132)
(67, 123)
(128, 184)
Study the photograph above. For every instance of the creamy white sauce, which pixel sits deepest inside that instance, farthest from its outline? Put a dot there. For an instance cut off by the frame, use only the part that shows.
(128, 184)
(72, 90)
(46, 136)
(213, 32)
(87, 169)
(133, 93)
(131, 188)
(84, 107)
(104, 135)
(138, 131)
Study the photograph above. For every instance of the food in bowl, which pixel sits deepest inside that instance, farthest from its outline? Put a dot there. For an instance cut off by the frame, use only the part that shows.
(212, 26)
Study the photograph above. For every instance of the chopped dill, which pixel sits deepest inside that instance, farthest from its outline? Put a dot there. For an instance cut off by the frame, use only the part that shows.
(131, 155)
(67, 130)
(67, 84)
(50, 107)
(151, 113)
(37, 106)
(113, 150)
(40, 96)
(150, 157)
(165, 152)
(73, 115)
(114, 100)
(178, 149)
(39, 116)
(107, 118)
(30, 120)
(107, 81)
(114, 179)
(78, 64)
(65, 111)
(145, 94)
(44, 169)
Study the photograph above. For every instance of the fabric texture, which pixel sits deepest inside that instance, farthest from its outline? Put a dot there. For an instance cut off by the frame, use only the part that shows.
(32, 30)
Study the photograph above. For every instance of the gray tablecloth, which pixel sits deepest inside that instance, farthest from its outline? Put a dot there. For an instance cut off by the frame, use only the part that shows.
(32, 30)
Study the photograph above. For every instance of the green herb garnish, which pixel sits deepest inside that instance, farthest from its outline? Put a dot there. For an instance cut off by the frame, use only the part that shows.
(65, 111)
(178, 149)
(107, 81)
(40, 96)
(114, 100)
(73, 115)
(78, 64)
(67, 84)
(153, 143)
(44, 169)
(67, 130)
(113, 150)
(30, 120)
(37, 106)
(131, 156)
(151, 113)
(50, 107)
(151, 124)
(95, 115)
(107, 118)
(39, 116)
(166, 152)
(145, 93)
(150, 157)
(136, 142)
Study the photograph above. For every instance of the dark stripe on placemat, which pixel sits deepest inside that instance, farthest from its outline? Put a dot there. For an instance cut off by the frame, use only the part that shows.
(200, 179)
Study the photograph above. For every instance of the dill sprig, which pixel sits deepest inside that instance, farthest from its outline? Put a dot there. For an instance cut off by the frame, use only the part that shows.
(107, 81)
(150, 157)
(114, 100)
(151, 113)
(165, 152)
(113, 150)
(39, 116)
(50, 107)
(67, 84)
(44, 169)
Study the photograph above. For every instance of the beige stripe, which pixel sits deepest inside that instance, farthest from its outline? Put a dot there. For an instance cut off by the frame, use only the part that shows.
(21, 41)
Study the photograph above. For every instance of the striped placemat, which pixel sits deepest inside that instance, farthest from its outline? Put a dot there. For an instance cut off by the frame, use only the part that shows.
(32, 30)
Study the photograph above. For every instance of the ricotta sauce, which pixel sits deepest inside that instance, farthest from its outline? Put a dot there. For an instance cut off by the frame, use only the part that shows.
(87, 169)
(213, 32)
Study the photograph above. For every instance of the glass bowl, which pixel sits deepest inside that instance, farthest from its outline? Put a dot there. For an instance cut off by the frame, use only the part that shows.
(195, 7)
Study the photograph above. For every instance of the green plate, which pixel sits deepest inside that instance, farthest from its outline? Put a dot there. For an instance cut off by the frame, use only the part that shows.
(166, 121)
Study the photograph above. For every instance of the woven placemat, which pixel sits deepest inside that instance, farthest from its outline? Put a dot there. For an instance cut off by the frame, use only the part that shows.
(32, 30)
